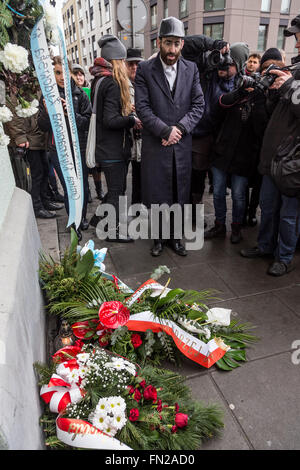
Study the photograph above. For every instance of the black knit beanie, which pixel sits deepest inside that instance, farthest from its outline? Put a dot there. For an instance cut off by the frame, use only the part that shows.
(271, 54)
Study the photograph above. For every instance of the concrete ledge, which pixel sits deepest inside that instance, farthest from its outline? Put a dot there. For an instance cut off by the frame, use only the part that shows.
(22, 327)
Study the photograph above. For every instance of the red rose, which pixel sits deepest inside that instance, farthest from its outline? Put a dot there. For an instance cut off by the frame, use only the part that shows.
(136, 340)
(134, 414)
(150, 393)
(137, 395)
(181, 420)
(113, 314)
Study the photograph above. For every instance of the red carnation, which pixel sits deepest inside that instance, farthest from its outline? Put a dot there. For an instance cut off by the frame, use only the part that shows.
(159, 406)
(113, 314)
(174, 429)
(150, 393)
(143, 383)
(136, 340)
(134, 414)
(181, 420)
(137, 395)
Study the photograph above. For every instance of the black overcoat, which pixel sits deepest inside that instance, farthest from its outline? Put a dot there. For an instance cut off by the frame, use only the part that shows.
(158, 110)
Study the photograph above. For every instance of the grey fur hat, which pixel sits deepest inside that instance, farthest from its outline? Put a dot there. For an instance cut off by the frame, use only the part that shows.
(112, 48)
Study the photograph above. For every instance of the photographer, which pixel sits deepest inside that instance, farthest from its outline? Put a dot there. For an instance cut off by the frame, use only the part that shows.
(236, 149)
(214, 84)
(279, 228)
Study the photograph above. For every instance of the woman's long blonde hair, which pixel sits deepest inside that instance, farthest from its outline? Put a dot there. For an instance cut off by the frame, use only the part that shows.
(121, 77)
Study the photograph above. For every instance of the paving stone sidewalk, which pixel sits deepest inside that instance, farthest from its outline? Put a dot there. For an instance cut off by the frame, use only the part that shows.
(261, 398)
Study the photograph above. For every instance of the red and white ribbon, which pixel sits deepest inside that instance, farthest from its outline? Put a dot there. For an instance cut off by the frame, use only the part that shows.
(205, 354)
(59, 393)
(81, 434)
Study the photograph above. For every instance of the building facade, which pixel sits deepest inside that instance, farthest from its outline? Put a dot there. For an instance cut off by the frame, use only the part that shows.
(85, 21)
(259, 23)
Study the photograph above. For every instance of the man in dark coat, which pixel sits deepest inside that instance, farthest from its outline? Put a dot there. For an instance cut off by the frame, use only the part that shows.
(170, 103)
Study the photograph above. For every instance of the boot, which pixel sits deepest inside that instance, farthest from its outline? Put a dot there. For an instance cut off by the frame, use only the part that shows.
(99, 191)
(95, 220)
(236, 234)
(218, 231)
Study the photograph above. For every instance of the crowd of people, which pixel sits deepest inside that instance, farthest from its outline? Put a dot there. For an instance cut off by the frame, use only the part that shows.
(198, 110)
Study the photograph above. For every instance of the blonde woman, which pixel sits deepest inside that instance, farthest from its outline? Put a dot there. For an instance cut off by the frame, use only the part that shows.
(114, 121)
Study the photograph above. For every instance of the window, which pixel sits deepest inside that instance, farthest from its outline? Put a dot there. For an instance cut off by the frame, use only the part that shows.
(107, 13)
(262, 37)
(154, 16)
(281, 38)
(211, 5)
(183, 8)
(285, 7)
(265, 5)
(100, 14)
(214, 31)
(153, 45)
(166, 9)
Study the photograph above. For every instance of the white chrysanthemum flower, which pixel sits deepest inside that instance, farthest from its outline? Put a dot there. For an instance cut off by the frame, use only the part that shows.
(83, 371)
(50, 15)
(73, 376)
(4, 140)
(28, 111)
(14, 58)
(116, 404)
(100, 420)
(109, 428)
(119, 420)
(102, 406)
(117, 363)
(5, 114)
(130, 368)
(82, 358)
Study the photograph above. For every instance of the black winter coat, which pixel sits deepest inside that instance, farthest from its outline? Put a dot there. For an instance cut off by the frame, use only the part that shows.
(237, 147)
(284, 122)
(82, 110)
(113, 140)
(159, 109)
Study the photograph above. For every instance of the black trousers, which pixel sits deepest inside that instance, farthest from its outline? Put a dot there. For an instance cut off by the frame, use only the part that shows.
(136, 197)
(53, 157)
(116, 178)
(39, 168)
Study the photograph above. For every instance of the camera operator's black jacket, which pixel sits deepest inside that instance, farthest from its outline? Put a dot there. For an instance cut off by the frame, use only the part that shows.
(237, 147)
(284, 122)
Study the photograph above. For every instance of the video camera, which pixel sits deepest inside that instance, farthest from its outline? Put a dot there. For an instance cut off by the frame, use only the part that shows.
(216, 60)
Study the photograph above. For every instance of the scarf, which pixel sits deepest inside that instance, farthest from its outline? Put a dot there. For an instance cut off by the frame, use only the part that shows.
(101, 68)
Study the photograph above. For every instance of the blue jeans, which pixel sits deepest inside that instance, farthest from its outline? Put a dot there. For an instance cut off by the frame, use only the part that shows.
(280, 222)
(239, 186)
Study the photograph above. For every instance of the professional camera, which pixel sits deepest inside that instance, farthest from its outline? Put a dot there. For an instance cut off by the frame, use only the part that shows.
(220, 61)
(259, 82)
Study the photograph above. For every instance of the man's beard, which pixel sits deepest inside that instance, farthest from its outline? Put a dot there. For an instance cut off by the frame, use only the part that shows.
(164, 56)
